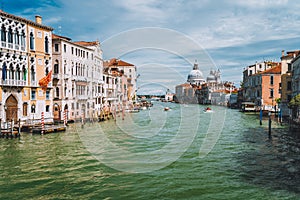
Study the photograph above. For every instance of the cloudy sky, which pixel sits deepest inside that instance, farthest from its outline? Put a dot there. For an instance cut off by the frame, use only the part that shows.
(164, 38)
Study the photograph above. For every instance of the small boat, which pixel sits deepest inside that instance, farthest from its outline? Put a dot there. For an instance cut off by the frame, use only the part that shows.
(208, 110)
(166, 108)
(132, 111)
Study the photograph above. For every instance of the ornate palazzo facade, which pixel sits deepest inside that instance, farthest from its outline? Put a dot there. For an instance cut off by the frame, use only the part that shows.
(25, 58)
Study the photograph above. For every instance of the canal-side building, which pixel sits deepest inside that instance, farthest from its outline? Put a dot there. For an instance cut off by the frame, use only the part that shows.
(77, 78)
(295, 111)
(25, 60)
(252, 82)
(286, 80)
(296, 76)
(263, 88)
(129, 70)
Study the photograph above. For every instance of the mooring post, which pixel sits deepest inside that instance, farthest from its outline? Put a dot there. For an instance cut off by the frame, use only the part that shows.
(270, 124)
(260, 116)
(19, 128)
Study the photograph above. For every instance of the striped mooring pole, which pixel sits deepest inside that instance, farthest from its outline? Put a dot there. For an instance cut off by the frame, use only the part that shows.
(43, 123)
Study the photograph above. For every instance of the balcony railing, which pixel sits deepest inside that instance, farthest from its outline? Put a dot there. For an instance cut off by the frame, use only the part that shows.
(17, 47)
(3, 43)
(10, 45)
(11, 82)
(82, 97)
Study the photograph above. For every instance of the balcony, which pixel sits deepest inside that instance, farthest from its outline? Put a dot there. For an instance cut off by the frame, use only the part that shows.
(3, 44)
(10, 45)
(17, 47)
(12, 83)
(82, 97)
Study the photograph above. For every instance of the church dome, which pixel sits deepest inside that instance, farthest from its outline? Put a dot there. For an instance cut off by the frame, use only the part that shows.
(211, 78)
(195, 74)
(195, 77)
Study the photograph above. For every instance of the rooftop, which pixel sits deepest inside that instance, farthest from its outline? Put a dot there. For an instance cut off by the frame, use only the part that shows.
(5, 14)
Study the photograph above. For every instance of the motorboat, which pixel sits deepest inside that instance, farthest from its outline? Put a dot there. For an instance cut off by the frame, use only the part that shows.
(208, 110)
(166, 108)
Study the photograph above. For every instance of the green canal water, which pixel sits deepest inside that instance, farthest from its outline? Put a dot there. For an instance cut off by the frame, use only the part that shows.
(183, 153)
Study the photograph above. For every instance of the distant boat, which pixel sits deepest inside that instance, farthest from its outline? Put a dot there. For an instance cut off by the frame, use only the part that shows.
(166, 108)
(208, 110)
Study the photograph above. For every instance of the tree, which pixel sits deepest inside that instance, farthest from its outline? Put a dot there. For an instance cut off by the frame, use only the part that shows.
(294, 105)
(295, 102)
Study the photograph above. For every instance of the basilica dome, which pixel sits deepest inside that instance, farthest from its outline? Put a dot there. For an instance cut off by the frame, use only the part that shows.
(195, 77)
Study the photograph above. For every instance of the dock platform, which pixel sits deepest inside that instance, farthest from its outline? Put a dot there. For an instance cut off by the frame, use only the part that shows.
(48, 129)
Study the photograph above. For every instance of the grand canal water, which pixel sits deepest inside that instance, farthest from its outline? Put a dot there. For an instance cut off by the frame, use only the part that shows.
(244, 163)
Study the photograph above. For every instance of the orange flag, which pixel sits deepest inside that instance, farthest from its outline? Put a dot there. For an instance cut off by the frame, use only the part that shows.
(45, 80)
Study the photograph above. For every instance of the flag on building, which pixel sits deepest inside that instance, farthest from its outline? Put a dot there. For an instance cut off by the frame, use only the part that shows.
(45, 80)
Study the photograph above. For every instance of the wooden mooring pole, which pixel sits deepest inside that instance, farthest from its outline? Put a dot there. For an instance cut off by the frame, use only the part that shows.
(270, 124)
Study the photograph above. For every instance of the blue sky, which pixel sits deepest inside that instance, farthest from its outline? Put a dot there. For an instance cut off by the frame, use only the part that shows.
(171, 34)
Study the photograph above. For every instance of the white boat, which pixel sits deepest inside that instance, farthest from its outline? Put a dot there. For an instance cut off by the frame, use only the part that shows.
(166, 108)
(132, 111)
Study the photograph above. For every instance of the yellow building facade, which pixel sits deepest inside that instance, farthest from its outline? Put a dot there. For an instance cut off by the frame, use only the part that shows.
(25, 59)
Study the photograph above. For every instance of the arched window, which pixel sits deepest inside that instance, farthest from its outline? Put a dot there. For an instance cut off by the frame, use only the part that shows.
(3, 33)
(46, 44)
(24, 70)
(32, 73)
(23, 39)
(10, 35)
(31, 41)
(11, 72)
(4, 72)
(17, 38)
(18, 73)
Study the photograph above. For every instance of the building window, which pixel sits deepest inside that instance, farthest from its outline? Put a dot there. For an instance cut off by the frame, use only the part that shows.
(33, 108)
(3, 34)
(289, 97)
(47, 108)
(65, 48)
(57, 92)
(271, 93)
(18, 73)
(48, 94)
(10, 36)
(72, 50)
(56, 47)
(17, 38)
(33, 94)
(24, 70)
(31, 41)
(289, 85)
(289, 67)
(271, 79)
(56, 67)
(32, 74)
(25, 105)
(46, 44)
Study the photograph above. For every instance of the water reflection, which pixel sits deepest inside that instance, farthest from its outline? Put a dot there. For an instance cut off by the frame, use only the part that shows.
(271, 162)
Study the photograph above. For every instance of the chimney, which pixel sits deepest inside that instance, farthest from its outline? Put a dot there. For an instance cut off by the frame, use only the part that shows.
(282, 53)
(38, 19)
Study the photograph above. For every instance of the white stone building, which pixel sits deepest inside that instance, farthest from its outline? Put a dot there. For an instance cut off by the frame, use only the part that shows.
(77, 78)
